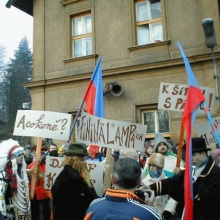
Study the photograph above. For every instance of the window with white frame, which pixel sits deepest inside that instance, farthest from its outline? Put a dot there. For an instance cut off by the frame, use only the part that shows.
(148, 21)
(156, 121)
(81, 35)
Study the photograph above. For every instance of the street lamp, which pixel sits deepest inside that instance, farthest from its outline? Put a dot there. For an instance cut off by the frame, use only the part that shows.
(210, 41)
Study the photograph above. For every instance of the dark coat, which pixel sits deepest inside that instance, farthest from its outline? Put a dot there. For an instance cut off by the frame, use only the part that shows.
(206, 191)
(71, 195)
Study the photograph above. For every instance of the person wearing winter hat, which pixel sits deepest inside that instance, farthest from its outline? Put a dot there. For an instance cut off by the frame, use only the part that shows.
(147, 152)
(164, 203)
(94, 154)
(16, 175)
(206, 183)
(162, 146)
(72, 191)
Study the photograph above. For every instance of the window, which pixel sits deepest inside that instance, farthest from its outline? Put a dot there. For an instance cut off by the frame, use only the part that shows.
(156, 121)
(148, 21)
(82, 35)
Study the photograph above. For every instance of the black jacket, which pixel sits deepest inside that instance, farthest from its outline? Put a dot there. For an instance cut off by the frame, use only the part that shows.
(71, 195)
(206, 191)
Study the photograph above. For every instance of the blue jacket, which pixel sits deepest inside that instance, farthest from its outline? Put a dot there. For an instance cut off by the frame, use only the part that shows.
(120, 205)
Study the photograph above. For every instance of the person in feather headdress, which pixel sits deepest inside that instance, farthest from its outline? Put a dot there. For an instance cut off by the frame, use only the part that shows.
(17, 178)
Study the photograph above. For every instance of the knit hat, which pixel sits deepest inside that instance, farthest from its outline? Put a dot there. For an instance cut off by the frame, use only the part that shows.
(156, 159)
(149, 144)
(76, 149)
(129, 152)
(198, 145)
(93, 149)
(160, 139)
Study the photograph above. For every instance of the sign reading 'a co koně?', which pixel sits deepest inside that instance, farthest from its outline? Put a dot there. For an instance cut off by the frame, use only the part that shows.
(110, 133)
(44, 124)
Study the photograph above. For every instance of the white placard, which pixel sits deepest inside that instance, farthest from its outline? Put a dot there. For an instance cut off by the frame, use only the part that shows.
(110, 133)
(173, 97)
(43, 124)
(204, 130)
(54, 167)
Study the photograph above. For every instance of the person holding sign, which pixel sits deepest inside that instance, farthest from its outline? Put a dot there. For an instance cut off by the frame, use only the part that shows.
(121, 202)
(72, 191)
(40, 204)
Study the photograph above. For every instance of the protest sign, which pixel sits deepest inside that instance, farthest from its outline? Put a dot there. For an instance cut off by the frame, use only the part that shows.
(110, 133)
(205, 131)
(42, 124)
(173, 97)
(54, 167)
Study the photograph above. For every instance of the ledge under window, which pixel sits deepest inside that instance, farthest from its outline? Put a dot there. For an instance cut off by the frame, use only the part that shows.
(72, 60)
(65, 2)
(146, 46)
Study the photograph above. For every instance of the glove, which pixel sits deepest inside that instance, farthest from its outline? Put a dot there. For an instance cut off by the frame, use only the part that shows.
(167, 215)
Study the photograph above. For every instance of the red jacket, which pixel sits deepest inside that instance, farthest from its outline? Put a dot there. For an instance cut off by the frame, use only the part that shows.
(39, 192)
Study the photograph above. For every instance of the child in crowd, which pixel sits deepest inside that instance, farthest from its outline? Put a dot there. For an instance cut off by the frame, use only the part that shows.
(153, 174)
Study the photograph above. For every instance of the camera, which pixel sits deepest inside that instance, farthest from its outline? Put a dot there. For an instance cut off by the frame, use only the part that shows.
(141, 195)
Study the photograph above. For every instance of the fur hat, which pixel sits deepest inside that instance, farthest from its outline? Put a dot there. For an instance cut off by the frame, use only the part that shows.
(156, 159)
(160, 139)
(129, 152)
(76, 149)
(198, 145)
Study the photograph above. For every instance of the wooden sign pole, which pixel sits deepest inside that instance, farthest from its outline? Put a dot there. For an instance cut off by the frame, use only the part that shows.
(35, 168)
(180, 146)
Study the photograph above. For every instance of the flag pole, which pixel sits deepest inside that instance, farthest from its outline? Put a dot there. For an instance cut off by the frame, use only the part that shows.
(86, 93)
(75, 120)
(35, 167)
(180, 146)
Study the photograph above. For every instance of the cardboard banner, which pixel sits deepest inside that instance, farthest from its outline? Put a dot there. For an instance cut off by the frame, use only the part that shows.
(54, 167)
(205, 131)
(110, 133)
(173, 97)
(42, 124)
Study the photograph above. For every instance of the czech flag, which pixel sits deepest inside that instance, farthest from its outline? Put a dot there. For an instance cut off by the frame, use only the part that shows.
(193, 99)
(94, 94)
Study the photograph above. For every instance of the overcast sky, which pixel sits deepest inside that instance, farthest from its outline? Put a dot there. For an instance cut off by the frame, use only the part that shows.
(14, 25)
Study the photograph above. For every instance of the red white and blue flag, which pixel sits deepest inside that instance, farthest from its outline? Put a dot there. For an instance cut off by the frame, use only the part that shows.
(193, 99)
(94, 94)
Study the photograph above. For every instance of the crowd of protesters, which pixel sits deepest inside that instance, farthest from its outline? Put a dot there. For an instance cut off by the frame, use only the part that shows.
(144, 184)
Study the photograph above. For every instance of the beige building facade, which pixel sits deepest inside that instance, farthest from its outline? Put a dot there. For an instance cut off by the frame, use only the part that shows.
(137, 41)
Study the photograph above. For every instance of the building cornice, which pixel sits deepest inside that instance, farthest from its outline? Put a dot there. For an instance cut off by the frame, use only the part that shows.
(124, 70)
